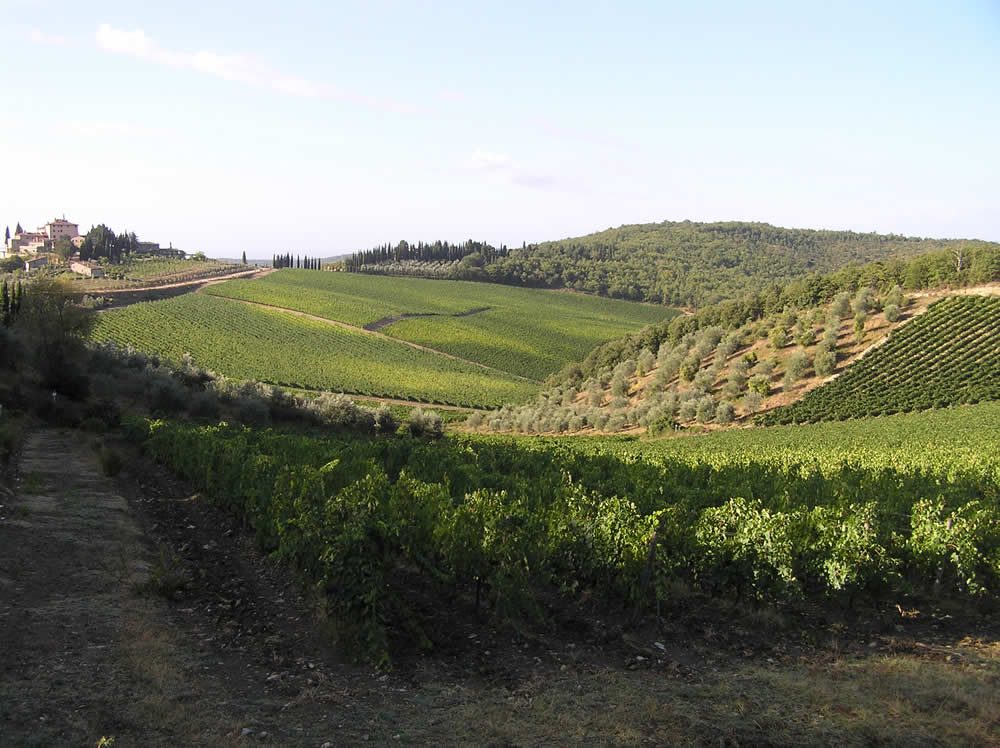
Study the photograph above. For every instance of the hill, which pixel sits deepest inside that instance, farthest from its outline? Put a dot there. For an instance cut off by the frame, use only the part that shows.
(950, 355)
(682, 263)
(525, 332)
(457, 343)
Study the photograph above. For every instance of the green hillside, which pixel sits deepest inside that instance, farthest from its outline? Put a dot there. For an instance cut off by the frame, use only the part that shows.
(686, 263)
(949, 355)
(528, 332)
(246, 342)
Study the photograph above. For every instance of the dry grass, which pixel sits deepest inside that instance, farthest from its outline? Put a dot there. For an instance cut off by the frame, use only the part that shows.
(892, 699)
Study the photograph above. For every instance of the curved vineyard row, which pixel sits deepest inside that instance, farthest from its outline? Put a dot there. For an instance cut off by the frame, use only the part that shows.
(247, 342)
(949, 355)
(529, 332)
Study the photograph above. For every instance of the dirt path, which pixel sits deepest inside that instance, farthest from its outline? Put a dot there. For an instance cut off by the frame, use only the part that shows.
(86, 656)
(194, 284)
(386, 321)
(377, 334)
(224, 648)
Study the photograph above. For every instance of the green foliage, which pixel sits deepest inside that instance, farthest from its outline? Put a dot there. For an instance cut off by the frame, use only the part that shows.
(527, 332)
(778, 337)
(247, 342)
(819, 512)
(760, 384)
(947, 356)
(696, 264)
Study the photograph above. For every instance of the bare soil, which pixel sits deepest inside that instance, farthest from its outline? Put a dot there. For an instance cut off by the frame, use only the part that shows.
(132, 608)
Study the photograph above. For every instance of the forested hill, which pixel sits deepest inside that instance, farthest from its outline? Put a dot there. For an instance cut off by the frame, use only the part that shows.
(694, 264)
(673, 263)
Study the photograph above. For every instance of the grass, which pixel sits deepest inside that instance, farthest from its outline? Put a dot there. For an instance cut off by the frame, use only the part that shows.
(849, 701)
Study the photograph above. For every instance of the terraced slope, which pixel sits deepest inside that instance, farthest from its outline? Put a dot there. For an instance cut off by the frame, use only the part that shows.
(524, 331)
(248, 342)
(949, 355)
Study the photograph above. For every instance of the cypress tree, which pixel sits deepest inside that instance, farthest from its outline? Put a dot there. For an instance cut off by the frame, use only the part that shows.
(244, 257)
(5, 305)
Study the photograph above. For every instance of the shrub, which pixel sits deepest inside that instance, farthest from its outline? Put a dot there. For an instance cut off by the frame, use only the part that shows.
(778, 337)
(111, 461)
(760, 384)
(704, 409)
(474, 421)
(796, 366)
(646, 362)
(689, 367)
(724, 413)
(841, 305)
(752, 401)
(891, 312)
(425, 423)
(386, 423)
(825, 362)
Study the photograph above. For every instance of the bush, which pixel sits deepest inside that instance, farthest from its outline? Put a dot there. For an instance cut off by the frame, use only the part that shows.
(825, 362)
(752, 401)
(760, 384)
(425, 423)
(841, 305)
(386, 423)
(705, 409)
(725, 413)
(891, 312)
(689, 367)
(778, 337)
(111, 461)
(796, 366)
(474, 421)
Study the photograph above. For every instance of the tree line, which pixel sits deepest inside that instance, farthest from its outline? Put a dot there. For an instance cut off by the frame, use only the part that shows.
(698, 264)
(11, 298)
(289, 261)
(439, 251)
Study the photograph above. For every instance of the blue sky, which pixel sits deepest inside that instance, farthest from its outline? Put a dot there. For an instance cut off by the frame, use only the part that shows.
(328, 127)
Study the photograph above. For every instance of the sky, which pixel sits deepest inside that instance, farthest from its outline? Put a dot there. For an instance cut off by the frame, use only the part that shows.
(326, 127)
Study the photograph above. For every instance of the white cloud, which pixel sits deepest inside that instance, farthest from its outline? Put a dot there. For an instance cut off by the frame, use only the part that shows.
(51, 40)
(488, 161)
(510, 170)
(239, 68)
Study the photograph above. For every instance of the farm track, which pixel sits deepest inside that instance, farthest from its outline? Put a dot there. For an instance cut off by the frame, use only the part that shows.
(386, 321)
(366, 331)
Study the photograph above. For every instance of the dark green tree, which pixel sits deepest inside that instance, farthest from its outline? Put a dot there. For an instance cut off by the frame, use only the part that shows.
(244, 260)
(5, 305)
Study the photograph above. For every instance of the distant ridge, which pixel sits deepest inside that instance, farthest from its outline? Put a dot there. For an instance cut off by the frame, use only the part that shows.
(676, 263)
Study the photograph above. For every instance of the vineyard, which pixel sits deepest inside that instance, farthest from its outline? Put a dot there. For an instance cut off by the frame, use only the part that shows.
(949, 355)
(156, 271)
(522, 331)
(247, 342)
(906, 508)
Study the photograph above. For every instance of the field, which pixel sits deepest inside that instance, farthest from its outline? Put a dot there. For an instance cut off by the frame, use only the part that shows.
(139, 272)
(523, 331)
(908, 509)
(946, 356)
(246, 342)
